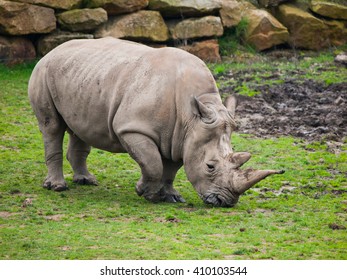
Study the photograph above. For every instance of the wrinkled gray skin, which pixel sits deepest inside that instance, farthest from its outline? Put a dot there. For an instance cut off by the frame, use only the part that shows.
(161, 106)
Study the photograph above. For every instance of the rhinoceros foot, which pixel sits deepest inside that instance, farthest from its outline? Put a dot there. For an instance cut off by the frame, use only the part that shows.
(174, 198)
(158, 197)
(85, 179)
(54, 185)
(169, 194)
(166, 194)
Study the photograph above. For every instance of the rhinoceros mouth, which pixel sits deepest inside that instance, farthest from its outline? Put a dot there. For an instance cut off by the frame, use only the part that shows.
(219, 199)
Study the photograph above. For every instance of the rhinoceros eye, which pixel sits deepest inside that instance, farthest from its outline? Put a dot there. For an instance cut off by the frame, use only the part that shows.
(210, 167)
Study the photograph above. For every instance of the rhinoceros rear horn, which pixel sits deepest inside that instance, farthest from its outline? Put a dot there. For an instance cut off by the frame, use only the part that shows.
(231, 103)
(245, 179)
(207, 115)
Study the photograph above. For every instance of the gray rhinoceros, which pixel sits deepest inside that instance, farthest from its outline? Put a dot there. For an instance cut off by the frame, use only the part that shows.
(161, 106)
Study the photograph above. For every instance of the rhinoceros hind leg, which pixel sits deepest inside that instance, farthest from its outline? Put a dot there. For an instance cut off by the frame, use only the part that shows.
(77, 154)
(53, 130)
(52, 127)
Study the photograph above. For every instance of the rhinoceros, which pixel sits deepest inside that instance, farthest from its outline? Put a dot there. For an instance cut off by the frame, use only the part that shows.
(161, 106)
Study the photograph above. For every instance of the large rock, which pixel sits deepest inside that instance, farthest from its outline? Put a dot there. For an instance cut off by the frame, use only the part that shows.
(329, 9)
(82, 19)
(233, 11)
(335, 33)
(116, 7)
(208, 26)
(207, 50)
(271, 3)
(20, 18)
(15, 50)
(264, 31)
(139, 26)
(341, 59)
(59, 5)
(184, 8)
(308, 32)
(49, 42)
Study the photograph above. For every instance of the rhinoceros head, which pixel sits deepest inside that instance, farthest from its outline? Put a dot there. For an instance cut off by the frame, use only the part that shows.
(210, 163)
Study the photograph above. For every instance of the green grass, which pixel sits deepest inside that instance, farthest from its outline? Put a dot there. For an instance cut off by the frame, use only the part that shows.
(289, 216)
(233, 41)
(341, 2)
(307, 2)
(245, 72)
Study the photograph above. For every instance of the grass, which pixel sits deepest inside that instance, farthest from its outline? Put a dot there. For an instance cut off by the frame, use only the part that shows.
(307, 2)
(245, 72)
(233, 39)
(298, 215)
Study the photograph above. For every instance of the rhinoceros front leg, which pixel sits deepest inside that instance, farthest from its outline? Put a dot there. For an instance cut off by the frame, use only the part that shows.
(145, 152)
(77, 154)
(158, 174)
(168, 192)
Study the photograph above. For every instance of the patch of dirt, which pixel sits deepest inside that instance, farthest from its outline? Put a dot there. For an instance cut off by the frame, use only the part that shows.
(56, 217)
(65, 248)
(5, 214)
(167, 220)
(304, 109)
(335, 226)
(263, 211)
(27, 202)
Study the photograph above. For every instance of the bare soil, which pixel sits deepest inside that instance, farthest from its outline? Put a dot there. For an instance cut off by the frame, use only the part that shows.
(306, 109)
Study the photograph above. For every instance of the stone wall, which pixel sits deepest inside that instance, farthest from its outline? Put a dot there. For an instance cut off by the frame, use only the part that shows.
(31, 28)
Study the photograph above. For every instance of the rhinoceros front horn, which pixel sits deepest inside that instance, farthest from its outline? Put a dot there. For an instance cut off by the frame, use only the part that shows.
(245, 179)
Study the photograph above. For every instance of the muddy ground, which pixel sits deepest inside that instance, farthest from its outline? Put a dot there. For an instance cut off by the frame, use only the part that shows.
(306, 109)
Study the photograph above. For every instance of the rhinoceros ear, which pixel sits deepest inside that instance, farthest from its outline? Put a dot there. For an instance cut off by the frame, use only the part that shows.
(206, 114)
(238, 159)
(231, 103)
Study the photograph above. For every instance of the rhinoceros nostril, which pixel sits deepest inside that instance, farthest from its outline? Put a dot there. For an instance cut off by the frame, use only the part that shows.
(211, 199)
(214, 199)
(220, 200)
